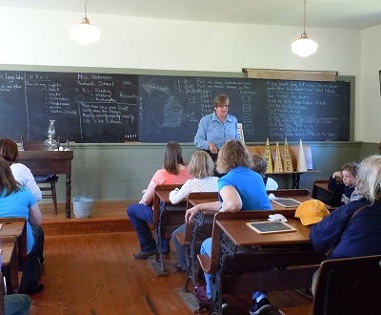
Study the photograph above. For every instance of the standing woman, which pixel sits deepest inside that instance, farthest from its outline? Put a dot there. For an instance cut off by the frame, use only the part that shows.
(17, 201)
(174, 171)
(215, 129)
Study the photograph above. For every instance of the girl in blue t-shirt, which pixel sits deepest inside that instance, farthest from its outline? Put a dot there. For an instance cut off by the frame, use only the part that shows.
(16, 201)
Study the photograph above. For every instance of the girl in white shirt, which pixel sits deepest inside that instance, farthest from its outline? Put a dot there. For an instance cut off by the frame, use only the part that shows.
(21, 173)
(201, 168)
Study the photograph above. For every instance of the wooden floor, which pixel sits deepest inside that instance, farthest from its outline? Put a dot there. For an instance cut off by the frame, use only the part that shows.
(94, 272)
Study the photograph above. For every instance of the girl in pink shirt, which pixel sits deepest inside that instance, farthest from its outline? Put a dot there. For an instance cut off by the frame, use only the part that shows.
(175, 172)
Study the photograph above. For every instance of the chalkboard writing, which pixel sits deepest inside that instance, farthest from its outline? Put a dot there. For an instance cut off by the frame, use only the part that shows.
(96, 107)
(172, 106)
(87, 107)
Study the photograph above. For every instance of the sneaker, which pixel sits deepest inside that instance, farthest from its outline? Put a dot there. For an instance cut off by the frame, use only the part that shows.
(144, 255)
(203, 300)
(263, 308)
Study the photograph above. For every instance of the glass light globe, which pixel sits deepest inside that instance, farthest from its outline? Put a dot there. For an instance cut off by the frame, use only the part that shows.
(85, 33)
(304, 46)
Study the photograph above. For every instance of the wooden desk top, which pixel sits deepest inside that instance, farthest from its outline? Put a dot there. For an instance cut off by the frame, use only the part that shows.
(195, 201)
(11, 227)
(42, 155)
(15, 227)
(242, 235)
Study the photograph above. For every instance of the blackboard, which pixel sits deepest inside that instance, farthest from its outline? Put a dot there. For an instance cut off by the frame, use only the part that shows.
(87, 107)
(171, 107)
(99, 107)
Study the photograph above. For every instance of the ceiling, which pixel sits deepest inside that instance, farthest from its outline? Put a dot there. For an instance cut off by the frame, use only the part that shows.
(351, 14)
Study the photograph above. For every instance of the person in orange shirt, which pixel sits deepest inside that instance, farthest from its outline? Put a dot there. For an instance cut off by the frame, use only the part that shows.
(175, 172)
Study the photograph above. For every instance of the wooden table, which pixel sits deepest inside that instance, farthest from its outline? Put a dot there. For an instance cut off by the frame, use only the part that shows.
(275, 261)
(9, 262)
(50, 162)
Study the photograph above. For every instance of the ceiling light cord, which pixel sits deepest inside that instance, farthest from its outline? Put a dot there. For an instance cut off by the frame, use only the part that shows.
(304, 46)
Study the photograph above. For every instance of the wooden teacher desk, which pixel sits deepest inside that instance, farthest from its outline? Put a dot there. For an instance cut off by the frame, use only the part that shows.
(276, 261)
(50, 162)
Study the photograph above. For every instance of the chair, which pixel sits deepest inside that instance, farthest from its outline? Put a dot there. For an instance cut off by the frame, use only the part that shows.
(349, 286)
(47, 185)
(320, 191)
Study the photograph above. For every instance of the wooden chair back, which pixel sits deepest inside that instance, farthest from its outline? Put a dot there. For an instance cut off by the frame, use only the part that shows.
(349, 286)
(320, 191)
(173, 216)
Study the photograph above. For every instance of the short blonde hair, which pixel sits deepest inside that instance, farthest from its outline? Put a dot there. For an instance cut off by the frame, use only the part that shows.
(232, 155)
(368, 182)
(201, 165)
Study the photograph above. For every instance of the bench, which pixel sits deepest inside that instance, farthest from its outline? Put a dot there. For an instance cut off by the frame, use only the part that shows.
(348, 286)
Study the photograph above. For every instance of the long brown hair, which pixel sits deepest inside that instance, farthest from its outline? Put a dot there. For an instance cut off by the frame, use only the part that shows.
(9, 150)
(173, 156)
(7, 181)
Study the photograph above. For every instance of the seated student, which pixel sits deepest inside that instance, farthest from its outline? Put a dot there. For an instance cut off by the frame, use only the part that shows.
(354, 229)
(23, 175)
(346, 186)
(17, 201)
(201, 168)
(239, 190)
(173, 172)
(260, 166)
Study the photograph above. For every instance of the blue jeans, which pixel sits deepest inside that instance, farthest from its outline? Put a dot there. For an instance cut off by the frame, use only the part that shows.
(139, 215)
(206, 249)
(31, 267)
(17, 304)
(180, 249)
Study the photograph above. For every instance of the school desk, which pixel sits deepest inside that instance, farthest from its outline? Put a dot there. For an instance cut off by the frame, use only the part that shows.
(243, 260)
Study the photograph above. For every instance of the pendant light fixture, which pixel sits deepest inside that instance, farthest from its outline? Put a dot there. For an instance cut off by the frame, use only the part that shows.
(85, 33)
(304, 46)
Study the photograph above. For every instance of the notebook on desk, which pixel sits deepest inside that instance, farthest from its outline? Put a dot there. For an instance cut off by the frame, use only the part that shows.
(286, 202)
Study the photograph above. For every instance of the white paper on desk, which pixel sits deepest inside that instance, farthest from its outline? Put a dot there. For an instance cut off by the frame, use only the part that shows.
(1, 225)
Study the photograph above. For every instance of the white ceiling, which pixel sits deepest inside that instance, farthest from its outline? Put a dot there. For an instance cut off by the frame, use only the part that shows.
(352, 14)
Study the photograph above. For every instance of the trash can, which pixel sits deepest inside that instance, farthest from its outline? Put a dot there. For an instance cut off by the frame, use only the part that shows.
(82, 206)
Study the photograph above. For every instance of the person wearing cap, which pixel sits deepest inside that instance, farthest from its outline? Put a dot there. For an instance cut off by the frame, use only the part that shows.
(354, 229)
